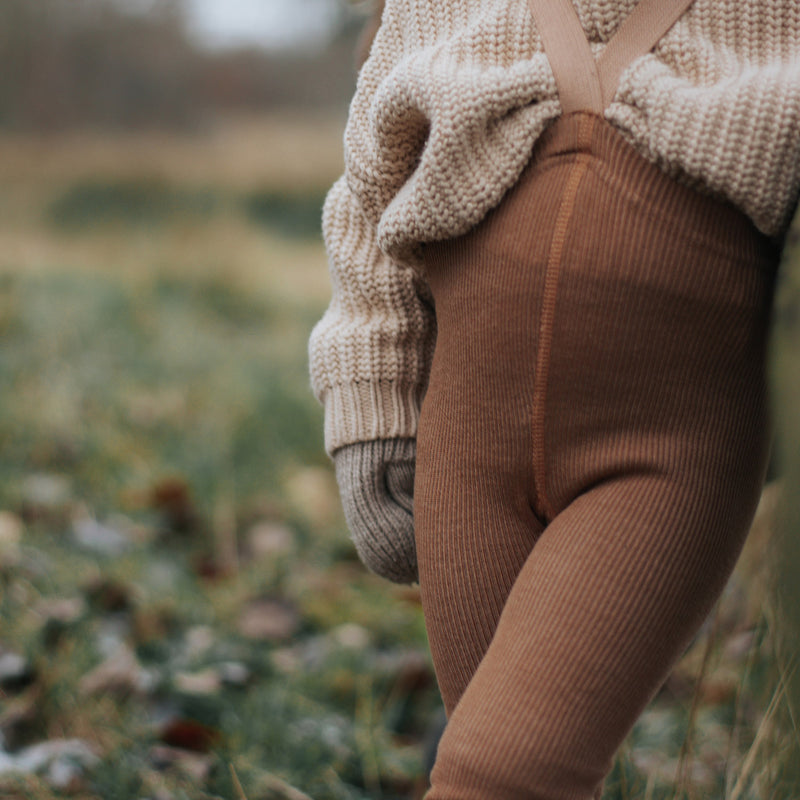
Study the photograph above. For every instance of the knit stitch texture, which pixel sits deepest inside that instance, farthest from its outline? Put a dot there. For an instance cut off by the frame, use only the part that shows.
(376, 481)
(446, 113)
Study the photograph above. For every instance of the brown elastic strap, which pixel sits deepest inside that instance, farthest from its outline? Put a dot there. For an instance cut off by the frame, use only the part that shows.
(586, 84)
(569, 54)
(637, 35)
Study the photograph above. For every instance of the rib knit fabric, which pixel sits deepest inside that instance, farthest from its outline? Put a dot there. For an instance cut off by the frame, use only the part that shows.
(448, 108)
(590, 453)
(376, 483)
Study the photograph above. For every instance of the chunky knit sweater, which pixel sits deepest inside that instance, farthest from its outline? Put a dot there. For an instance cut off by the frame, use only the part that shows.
(446, 113)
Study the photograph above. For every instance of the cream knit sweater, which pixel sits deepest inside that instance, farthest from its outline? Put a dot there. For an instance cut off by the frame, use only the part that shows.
(445, 116)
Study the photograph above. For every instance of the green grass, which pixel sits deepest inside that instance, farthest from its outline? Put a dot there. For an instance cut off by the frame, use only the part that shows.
(293, 214)
(117, 386)
(153, 379)
(116, 383)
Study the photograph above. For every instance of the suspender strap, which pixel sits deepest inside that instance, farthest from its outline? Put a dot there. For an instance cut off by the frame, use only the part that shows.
(586, 84)
(638, 34)
(569, 54)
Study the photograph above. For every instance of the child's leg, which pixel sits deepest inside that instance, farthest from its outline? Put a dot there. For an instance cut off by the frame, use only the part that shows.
(609, 597)
(599, 368)
(473, 495)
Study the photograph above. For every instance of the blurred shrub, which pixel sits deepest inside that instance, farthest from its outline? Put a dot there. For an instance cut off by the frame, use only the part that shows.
(66, 62)
(217, 300)
(152, 202)
(297, 215)
(127, 201)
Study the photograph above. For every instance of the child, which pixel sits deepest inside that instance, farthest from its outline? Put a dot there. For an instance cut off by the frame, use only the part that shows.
(553, 254)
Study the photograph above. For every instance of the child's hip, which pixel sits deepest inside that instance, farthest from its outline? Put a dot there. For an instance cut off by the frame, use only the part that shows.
(604, 318)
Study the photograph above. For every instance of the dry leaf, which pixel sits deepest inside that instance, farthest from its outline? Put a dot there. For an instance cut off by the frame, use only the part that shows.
(266, 540)
(108, 595)
(269, 619)
(188, 734)
(120, 674)
(10, 539)
(206, 682)
(172, 497)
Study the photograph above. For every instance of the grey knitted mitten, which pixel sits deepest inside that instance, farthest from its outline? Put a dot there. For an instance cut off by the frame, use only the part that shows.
(376, 481)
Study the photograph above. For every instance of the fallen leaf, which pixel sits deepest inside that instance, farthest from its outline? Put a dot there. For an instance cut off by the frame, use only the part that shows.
(66, 610)
(120, 674)
(154, 624)
(269, 619)
(46, 496)
(188, 734)
(268, 540)
(108, 595)
(721, 688)
(206, 682)
(351, 636)
(199, 640)
(211, 568)
(18, 714)
(10, 539)
(172, 497)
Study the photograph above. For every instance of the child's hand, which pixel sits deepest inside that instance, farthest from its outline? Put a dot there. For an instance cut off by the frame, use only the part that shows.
(376, 481)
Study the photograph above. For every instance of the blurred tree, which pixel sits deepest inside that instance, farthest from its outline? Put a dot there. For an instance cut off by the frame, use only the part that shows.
(67, 63)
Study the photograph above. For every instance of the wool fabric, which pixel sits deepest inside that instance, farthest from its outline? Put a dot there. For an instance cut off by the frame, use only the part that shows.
(590, 453)
(376, 482)
(448, 108)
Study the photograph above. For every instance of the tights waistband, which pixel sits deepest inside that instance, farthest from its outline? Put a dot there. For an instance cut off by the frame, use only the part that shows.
(709, 219)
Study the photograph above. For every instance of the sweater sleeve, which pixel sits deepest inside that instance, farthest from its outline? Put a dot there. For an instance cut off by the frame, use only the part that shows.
(371, 351)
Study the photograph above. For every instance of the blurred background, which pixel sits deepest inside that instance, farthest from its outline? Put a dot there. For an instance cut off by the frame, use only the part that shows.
(181, 613)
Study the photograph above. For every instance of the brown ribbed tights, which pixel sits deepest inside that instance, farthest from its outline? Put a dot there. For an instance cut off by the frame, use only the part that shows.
(590, 453)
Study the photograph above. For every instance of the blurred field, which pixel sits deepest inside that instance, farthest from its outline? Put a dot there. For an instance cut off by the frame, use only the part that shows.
(182, 614)
(210, 172)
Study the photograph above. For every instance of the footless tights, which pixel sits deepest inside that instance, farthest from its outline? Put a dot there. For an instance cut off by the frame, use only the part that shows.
(590, 453)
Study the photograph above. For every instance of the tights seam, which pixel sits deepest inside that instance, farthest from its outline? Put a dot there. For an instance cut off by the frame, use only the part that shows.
(543, 506)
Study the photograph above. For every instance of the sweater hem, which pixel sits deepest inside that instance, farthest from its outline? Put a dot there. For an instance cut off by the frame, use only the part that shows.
(361, 412)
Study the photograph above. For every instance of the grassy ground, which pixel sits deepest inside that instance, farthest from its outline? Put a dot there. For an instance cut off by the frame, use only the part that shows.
(180, 609)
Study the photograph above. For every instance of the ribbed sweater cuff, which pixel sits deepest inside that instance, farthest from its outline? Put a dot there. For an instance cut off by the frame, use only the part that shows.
(362, 412)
